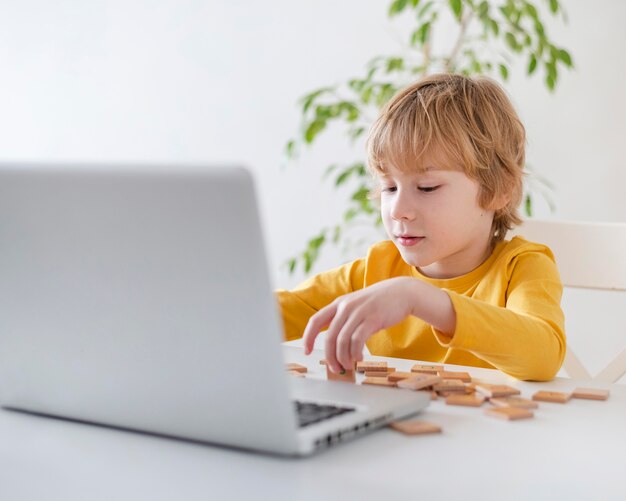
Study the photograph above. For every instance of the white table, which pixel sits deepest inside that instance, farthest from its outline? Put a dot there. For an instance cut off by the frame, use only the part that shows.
(571, 451)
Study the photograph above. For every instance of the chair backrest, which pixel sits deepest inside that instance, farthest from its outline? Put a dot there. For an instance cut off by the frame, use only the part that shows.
(590, 256)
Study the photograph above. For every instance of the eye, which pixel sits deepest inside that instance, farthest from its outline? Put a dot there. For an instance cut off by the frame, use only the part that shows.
(427, 189)
(388, 189)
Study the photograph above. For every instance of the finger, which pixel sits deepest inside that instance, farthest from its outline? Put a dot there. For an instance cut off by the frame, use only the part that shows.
(337, 323)
(357, 341)
(315, 324)
(344, 339)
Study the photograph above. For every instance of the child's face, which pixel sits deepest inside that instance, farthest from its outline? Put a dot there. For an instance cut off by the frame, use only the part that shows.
(435, 221)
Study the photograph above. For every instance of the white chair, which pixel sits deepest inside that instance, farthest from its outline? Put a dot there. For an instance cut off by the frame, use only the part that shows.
(589, 256)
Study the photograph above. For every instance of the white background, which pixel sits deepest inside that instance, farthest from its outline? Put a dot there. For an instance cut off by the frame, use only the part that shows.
(218, 82)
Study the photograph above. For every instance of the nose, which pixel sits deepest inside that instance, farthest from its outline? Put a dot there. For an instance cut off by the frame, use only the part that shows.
(403, 207)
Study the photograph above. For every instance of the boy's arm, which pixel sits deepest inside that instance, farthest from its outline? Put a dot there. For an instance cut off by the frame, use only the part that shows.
(526, 338)
(299, 304)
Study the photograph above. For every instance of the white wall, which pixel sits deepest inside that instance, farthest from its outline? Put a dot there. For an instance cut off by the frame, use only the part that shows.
(217, 81)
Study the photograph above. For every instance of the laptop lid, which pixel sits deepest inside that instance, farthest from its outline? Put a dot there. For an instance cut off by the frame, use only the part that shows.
(132, 295)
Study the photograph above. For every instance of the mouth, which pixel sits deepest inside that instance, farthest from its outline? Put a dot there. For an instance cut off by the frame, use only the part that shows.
(408, 240)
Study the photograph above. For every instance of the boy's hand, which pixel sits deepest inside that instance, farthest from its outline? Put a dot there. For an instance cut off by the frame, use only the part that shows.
(351, 319)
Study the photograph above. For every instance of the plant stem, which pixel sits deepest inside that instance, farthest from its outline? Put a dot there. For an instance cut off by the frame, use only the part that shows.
(459, 41)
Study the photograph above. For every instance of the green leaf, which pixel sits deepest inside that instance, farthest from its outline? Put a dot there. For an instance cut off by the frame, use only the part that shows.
(307, 100)
(511, 41)
(343, 177)
(532, 64)
(550, 82)
(564, 56)
(424, 10)
(360, 194)
(531, 11)
(290, 148)
(350, 214)
(422, 33)
(396, 7)
(366, 96)
(337, 234)
(528, 205)
(457, 8)
(504, 71)
(494, 27)
(395, 63)
(329, 170)
(292, 265)
(554, 6)
(483, 9)
(355, 133)
(314, 128)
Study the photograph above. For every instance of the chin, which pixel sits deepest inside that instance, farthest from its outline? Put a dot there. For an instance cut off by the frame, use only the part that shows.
(413, 260)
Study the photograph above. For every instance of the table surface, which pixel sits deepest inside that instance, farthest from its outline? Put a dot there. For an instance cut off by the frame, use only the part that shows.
(567, 451)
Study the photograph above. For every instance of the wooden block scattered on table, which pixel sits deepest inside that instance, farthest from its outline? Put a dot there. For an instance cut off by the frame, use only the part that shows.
(415, 427)
(296, 373)
(590, 393)
(323, 361)
(399, 375)
(371, 366)
(461, 376)
(297, 368)
(509, 413)
(475, 400)
(346, 375)
(496, 390)
(379, 381)
(376, 374)
(449, 385)
(552, 396)
(522, 403)
(428, 369)
(418, 381)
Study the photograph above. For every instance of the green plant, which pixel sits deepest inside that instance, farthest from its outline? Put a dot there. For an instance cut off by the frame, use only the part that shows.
(490, 36)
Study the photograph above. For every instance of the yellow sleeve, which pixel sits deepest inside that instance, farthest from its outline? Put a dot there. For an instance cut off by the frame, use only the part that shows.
(526, 338)
(299, 304)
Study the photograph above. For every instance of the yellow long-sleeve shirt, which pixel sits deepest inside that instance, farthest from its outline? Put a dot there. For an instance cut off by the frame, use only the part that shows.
(508, 313)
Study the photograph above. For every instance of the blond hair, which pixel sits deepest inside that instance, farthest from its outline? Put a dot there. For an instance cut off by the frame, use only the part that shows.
(471, 123)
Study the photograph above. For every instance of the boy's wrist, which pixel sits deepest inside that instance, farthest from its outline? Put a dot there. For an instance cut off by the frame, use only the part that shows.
(433, 305)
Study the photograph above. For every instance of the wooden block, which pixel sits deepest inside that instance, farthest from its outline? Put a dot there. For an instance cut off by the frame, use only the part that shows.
(449, 385)
(345, 375)
(415, 427)
(379, 381)
(297, 367)
(467, 400)
(496, 390)
(418, 381)
(380, 373)
(591, 393)
(399, 375)
(509, 413)
(461, 376)
(371, 366)
(522, 403)
(552, 396)
(323, 361)
(428, 369)
(295, 373)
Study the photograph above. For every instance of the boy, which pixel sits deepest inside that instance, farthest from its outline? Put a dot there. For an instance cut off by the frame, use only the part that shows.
(447, 157)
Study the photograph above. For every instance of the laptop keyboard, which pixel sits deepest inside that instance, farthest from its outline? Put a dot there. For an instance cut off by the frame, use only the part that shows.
(310, 413)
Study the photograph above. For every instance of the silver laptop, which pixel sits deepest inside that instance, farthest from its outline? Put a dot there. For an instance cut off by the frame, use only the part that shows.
(139, 297)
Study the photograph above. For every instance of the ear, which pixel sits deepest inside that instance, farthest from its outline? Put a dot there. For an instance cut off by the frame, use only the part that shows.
(499, 202)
